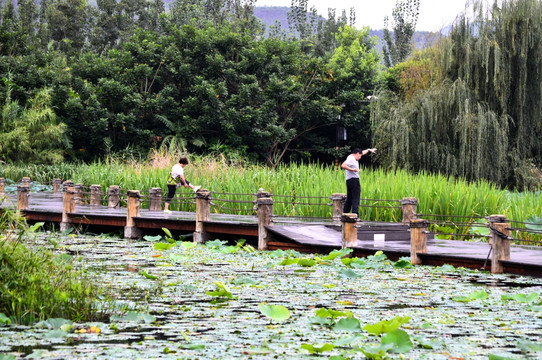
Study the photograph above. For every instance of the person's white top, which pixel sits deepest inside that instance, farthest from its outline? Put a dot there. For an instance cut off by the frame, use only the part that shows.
(177, 170)
(354, 164)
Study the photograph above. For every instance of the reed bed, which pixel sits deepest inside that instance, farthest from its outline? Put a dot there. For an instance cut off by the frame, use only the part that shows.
(298, 189)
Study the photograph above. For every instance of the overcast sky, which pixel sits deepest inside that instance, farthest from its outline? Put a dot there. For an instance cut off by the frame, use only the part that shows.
(434, 14)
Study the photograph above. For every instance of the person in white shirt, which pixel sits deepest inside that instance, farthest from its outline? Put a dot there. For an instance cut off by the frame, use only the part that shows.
(353, 187)
(177, 179)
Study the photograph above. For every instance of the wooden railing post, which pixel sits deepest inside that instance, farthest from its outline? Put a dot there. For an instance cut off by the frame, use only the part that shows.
(338, 205)
(500, 234)
(2, 186)
(409, 209)
(114, 196)
(23, 192)
(67, 183)
(132, 210)
(56, 185)
(79, 194)
(68, 205)
(203, 213)
(418, 239)
(26, 181)
(95, 195)
(349, 230)
(264, 210)
(155, 199)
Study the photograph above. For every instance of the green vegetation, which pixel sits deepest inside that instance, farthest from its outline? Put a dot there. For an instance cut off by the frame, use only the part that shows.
(37, 284)
(209, 302)
(405, 16)
(312, 184)
(124, 78)
(478, 114)
(30, 133)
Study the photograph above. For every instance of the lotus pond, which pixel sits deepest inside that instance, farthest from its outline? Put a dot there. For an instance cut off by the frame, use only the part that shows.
(223, 301)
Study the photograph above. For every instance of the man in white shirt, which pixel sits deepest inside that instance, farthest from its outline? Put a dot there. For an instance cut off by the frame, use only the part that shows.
(353, 187)
(177, 179)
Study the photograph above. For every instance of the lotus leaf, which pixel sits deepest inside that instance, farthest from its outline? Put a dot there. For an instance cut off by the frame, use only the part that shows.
(274, 312)
(347, 324)
(386, 326)
(317, 348)
(400, 340)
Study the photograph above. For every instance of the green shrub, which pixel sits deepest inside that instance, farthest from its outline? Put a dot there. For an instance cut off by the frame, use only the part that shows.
(36, 284)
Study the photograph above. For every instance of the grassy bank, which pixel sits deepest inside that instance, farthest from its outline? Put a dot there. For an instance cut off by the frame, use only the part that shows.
(37, 284)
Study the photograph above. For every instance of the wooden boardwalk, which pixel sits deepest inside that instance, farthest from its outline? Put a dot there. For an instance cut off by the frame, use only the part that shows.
(304, 235)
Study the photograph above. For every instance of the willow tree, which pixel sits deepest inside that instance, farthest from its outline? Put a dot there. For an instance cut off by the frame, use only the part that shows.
(481, 118)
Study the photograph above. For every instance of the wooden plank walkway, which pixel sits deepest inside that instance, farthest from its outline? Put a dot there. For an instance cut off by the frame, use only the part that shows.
(394, 241)
(304, 235)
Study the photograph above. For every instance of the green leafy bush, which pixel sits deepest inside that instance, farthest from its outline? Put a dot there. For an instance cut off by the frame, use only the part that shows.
(36, 284)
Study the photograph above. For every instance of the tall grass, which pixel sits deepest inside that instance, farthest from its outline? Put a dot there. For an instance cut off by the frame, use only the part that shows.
(37, 285)
(293, 184)
(43, 174)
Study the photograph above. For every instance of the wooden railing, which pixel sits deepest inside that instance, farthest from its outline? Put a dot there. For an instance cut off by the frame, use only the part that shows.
(73, 195)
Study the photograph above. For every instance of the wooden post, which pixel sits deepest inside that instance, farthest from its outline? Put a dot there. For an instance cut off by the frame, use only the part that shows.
(418, 239)
(114, 196)
(133, 206)
(56, 185)
(500, 233)
(67, 183)
(79, 198)
(265, 218)
(2, 186)
(23, 192)
(26, 181)
(95, 195)
(203, 213)
(68, 205)
(155, 199)
(349, 230)
(409, 209)
(338, 205)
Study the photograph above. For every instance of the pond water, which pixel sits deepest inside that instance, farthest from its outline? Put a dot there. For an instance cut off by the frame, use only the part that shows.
(174, 314)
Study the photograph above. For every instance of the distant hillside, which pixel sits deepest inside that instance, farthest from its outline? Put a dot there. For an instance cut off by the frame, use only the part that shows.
(269, 15)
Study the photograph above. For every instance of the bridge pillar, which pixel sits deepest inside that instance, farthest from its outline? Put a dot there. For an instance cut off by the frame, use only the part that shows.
(418, 239)
(68, 205)
(265, 218)
(203, 213)
(409, 209)
(95, 195)
(133, 205)
(349, 230)
(2, 186)
(114, 196)
(56, 185)
(500, 234)
(155, 199)
(338, 205)
(23, 192)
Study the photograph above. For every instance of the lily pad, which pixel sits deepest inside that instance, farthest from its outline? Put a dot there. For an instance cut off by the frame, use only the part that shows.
(274, 312)
(399, 339)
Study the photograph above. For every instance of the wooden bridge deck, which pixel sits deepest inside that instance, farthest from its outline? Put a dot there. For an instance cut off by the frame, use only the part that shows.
(304, 235)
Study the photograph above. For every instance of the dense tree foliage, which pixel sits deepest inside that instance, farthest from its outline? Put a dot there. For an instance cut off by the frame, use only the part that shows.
(30, 133)
(123, 76)
(480, 115)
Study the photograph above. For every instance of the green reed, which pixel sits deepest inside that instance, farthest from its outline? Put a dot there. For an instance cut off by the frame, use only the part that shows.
(304, 190)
